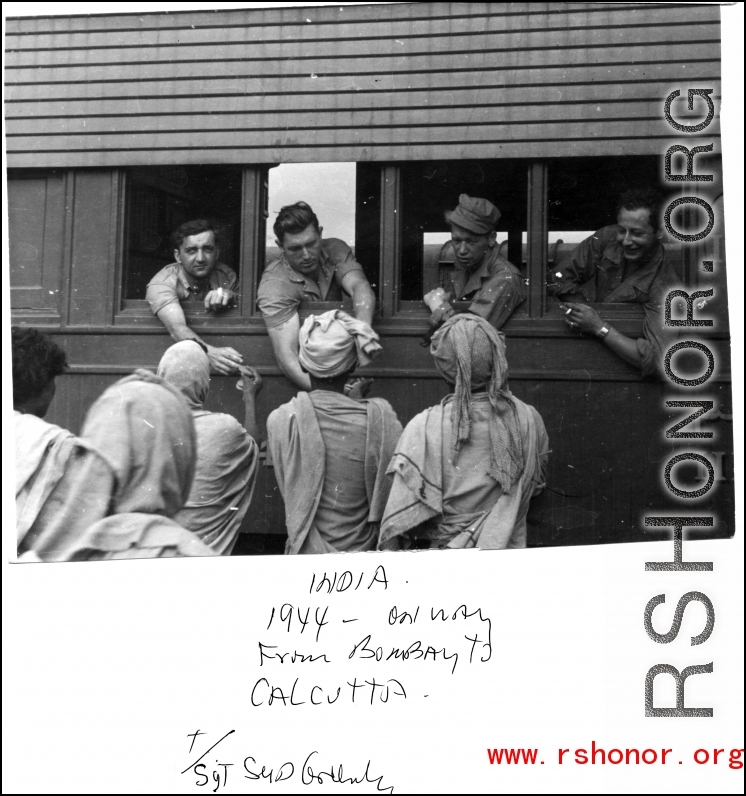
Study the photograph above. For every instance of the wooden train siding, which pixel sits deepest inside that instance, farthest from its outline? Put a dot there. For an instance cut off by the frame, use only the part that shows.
(363, 83)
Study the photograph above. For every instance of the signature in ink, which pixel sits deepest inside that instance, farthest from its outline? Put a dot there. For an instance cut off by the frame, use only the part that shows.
(311, 772)
(309, 776)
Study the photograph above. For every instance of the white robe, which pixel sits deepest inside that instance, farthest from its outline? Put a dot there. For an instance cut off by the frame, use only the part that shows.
(42, 453)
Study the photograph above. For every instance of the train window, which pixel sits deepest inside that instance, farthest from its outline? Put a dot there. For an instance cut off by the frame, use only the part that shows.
(429, 189)
(329, 188)
(439, 258)
(160, 199)
(582, 193)
(582, 197)
(345, 198)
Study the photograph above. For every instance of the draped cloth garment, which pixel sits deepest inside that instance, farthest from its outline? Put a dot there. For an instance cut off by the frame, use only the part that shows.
(128, 476)
(457, 504)
(187, 367)
(227, 456)
(42, 452)
(224, 478)
(470, 354)
(465, 471)
(330, 454)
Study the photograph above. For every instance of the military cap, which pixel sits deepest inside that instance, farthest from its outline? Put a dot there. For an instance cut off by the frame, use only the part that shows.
(476, 215)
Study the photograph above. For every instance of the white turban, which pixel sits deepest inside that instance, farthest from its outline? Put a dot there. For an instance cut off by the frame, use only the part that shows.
(335, 342)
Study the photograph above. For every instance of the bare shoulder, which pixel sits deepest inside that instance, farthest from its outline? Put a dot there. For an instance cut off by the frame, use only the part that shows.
(281, 414)
(381, 403)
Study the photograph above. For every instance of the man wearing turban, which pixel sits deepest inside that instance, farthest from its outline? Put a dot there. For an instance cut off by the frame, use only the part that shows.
(330, 452)
(465, 470)
(481, 275)
(310, 268)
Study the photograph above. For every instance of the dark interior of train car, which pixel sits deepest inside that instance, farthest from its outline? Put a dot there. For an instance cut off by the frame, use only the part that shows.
(162, 198)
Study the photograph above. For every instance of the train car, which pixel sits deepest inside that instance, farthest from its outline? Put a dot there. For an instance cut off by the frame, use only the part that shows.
(122, 126)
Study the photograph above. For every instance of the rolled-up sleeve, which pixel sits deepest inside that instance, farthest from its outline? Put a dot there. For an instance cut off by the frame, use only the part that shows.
(498, 298)
(159, 294)
(341, 255)
(277, 300)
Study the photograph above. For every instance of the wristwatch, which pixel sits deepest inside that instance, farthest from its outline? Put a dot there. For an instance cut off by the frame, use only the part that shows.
(603, 331)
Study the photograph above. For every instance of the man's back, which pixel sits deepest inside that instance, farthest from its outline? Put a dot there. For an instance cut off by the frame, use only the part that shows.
(42, 453)
(330, 454)
(468, 492)
(459, 503)
(343, 423)
(224, 477)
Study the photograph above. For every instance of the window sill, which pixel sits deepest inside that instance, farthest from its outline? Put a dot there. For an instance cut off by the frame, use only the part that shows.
(412, 320)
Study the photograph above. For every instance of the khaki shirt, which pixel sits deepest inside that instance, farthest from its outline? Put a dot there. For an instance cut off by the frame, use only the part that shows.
(282, 289)
(495, 288)
(172, 283)
(596, 273)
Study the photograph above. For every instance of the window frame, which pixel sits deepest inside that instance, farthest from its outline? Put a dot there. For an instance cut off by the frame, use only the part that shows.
(536, 317)
(251, 250)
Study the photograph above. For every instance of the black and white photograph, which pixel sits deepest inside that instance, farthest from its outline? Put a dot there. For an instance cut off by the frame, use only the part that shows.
(432, 279)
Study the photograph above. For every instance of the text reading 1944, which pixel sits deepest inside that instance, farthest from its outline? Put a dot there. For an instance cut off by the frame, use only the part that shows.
(345, 619)
(468, 631)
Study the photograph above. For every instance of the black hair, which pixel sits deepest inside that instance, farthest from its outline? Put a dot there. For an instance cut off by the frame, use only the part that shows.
(294, 219)
(36, 361)
(639, 198)
(195, 227)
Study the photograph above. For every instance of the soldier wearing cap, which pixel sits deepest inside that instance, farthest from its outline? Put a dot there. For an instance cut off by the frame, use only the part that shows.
(492, 284)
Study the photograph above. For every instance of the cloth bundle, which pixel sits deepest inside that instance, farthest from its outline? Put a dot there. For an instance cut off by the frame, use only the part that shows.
(333, 343)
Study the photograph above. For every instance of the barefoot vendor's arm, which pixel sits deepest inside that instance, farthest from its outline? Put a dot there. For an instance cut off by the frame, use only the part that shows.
(251, 386)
